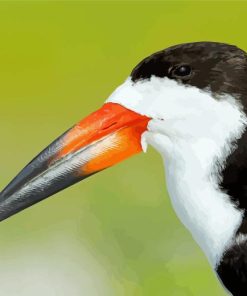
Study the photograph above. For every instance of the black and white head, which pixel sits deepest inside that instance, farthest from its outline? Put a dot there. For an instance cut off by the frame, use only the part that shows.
(191, 91)
(189, 102)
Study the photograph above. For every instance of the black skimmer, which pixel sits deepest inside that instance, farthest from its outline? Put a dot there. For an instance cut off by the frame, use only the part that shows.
(188, 101)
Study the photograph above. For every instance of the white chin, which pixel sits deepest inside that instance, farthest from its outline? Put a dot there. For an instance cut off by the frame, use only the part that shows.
(159, 142)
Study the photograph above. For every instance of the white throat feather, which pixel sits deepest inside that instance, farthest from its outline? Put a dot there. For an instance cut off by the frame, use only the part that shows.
(195, 133)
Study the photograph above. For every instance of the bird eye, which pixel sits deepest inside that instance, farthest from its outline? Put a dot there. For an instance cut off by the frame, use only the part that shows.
(181, 71)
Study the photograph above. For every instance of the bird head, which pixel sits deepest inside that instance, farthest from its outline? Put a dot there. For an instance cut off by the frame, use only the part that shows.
(189, 92)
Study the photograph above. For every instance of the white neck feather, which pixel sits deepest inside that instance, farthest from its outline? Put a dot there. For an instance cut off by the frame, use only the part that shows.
(199, 203)
(192, 182)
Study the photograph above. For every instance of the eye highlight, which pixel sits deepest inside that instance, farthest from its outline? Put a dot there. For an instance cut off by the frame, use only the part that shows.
(181, 71)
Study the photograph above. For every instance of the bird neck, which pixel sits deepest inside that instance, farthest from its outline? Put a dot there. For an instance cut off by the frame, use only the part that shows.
(202, 206)
(194, 185)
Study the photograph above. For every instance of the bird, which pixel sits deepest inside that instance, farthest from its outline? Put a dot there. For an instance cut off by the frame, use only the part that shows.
(188, 101)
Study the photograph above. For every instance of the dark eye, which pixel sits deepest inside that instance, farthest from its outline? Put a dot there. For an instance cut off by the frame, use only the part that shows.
(181, 71)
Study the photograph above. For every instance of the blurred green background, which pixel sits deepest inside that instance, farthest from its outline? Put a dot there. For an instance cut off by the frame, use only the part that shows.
(114, 233)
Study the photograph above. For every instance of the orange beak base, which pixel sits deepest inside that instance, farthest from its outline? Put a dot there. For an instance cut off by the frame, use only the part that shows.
(104, 138)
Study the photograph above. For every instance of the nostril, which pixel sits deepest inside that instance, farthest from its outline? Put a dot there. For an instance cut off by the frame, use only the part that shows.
(110, 125)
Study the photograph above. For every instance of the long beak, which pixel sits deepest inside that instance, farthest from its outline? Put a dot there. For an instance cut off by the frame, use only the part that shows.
(104, 138)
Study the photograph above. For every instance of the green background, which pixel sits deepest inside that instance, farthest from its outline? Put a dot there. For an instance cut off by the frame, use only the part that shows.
(114, 233)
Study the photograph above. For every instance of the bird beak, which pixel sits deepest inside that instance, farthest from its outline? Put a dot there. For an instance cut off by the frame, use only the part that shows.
(104, 138)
